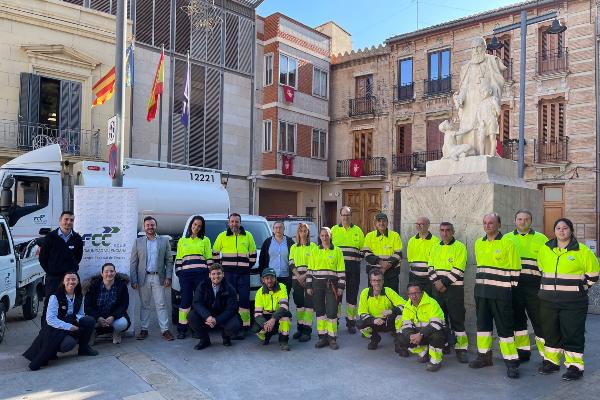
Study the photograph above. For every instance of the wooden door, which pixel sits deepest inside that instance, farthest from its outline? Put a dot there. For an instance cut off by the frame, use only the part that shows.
(330, 213)
(363, 144)
(554, 207)
(404, 139)
(365, 204)
(434, 138)
(364, 86)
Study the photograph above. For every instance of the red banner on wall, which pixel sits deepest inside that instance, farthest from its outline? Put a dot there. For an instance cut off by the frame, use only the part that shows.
(356, 168)
(288, 93)
(287, 165)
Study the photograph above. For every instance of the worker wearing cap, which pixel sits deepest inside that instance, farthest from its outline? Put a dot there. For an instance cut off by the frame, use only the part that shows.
(271, 310)
(383, 250)
(350, 239)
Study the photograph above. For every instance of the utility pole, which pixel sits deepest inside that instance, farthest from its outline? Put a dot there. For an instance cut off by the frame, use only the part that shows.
(120, 46)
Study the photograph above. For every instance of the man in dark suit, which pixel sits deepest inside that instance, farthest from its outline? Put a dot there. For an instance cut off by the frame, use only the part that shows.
(150, 270)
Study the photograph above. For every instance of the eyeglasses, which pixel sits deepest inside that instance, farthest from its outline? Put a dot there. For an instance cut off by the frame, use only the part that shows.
(419, 224)
(346, 215)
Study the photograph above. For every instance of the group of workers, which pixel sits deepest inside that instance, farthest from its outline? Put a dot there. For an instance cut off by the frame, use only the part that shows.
(520, 276)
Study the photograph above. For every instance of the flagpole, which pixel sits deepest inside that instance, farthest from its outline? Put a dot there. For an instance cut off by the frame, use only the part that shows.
(189, 124)
(160, 113)
(132, 61)
(121, 37)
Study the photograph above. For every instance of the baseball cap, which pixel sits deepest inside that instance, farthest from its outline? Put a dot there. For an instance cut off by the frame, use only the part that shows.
(380, 216)
(268, 271)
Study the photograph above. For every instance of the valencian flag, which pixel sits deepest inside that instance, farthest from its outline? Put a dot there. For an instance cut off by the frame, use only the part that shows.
(104, 88)
(356, 168)
(288, 93)
(287, 165)
(157, 88)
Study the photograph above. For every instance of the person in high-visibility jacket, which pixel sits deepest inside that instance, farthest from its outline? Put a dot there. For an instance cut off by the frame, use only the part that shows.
(526, 302)
(235, 250)
(447, 262)
(350, 239)
(325, 282)
(421, 328)
(194, 257)
(383, 250)
(271, 310)
(417, 254)
(299, 255)
(378, 309)
(498, 268)
(569, 269)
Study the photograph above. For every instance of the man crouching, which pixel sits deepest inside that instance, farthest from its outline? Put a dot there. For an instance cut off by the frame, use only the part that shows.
(378, 308)
(271, 310)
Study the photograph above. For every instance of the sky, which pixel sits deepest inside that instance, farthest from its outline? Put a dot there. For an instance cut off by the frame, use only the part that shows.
(370, 22)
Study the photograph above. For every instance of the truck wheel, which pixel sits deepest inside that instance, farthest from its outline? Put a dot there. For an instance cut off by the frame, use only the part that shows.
(2, 321)
(31, 306)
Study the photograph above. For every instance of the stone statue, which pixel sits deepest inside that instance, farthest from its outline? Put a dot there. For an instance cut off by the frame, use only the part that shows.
(478, 102)
(452, 148)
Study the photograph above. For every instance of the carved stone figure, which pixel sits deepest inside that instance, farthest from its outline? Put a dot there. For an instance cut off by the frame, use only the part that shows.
(452, 148)
(487, 119)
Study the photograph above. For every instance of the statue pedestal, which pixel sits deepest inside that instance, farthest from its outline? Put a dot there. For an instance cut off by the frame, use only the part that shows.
(462, 192)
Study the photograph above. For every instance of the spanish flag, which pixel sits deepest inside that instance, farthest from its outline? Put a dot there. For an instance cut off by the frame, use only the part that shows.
(157, 88)
(104, 88)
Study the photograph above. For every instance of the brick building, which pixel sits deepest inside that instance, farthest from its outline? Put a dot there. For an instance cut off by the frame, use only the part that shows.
(292, 149)
(387, 103)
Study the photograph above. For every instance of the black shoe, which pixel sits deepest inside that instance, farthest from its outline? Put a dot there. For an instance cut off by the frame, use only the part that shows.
(482, 360)
(447, 350)
(512, 372)
(462, 357)
(423, 359)
(181, 335)
(524, 355)
(202, 344)
(87, 351)
(226, 341)
(239, 336)
(403, 353)
(573, 373)
(333, 343)
(548, 367)
(351, 326)
(297, 334)
(322, 342)
(433, 367)
(375, 339)
(304, 337)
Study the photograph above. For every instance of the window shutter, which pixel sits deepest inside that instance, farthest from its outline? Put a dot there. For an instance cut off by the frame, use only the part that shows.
(231, 41)
(64, 109)
(24, 98)
(434, 137)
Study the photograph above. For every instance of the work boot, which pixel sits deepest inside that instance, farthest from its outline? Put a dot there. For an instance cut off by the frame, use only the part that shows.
(227, 341)
(322, 342)
(87, 351)
(433, 367)
(305, 334)
(512, 372)
(333, 343)
(351, 325)
(447, 350)
(462, 357)
(573, 373)
(403, 353)
(524, 355)
(298, 332)
(283, 343)
(181, 335)
(423, 359)
(202, 344)
(482, 360)
(375, 339)
(548, 367)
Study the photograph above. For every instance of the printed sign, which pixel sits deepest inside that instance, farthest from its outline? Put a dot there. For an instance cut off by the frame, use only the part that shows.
(112, 130)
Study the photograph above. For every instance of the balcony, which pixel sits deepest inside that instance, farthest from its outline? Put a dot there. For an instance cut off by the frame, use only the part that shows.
(31, 136)
(404, 92)
(372, 166)
(361, 106)
(508, 72)
(510, 149)
(551, 151)
(434, 87)
(413, 162)
(552, 62)
(306, 168)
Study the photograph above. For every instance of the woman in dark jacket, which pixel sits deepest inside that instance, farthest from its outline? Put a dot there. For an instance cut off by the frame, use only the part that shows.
(66, 325)
(275, 253)
(107, 300)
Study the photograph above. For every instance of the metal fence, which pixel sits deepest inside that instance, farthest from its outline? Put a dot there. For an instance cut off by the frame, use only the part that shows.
(557, 61)
(437, 86)
(372, 166)
(551, 150)
(414, 161)
(361, 106)
(404, 92)
(28, 136)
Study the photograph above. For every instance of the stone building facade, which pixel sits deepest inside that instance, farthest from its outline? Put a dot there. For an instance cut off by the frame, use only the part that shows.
(387, 103)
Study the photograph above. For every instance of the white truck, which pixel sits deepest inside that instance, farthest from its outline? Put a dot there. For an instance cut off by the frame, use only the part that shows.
(37, 186)
(21, 277)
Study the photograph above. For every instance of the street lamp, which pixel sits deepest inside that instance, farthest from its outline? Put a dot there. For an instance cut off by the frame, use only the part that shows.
(494, 44)
(555, 29)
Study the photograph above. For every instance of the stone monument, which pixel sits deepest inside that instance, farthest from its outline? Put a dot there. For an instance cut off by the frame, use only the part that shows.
(471, 179)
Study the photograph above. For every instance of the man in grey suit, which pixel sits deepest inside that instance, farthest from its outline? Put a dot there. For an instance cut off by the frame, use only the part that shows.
(150, 270)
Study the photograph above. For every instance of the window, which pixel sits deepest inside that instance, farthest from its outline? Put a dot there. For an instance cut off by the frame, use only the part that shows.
(552, 121)
(363, 144)
(439, 65)
(364, 86)
(319, 82)
(319, 144)
(504, 124)
(268, 70)
(287, 137)
(288, 71)
(4, 242)
(404, 139)
(267, 136)
(31, 194)
(405, 79)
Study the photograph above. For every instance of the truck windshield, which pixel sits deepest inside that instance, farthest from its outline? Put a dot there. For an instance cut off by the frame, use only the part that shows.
(258, 229)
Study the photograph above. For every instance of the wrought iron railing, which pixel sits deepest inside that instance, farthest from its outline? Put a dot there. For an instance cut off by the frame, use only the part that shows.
(557, 61)
(361, 106)
(30, 136)
(554, 150)
(510, 149)
(508, 72)
(372, 166)
(404, 92)
(416, 161)
(438, 86)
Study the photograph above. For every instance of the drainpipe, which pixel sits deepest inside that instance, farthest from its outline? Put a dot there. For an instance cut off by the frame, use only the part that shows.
(597, 95)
